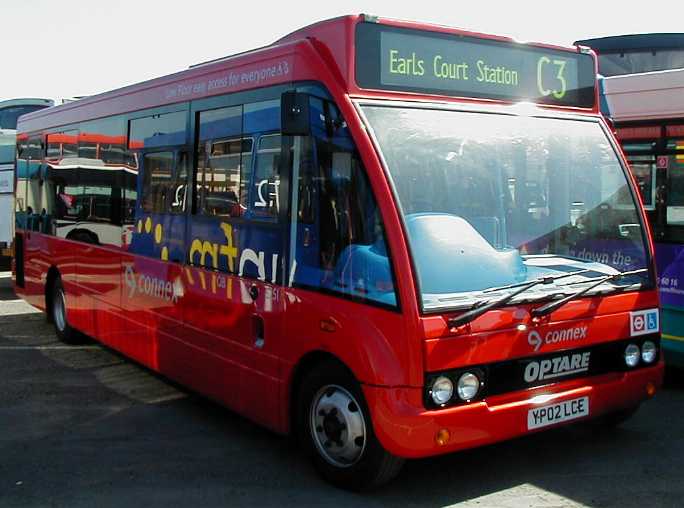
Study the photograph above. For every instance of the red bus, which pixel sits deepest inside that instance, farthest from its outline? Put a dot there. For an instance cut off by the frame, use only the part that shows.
(395, 240)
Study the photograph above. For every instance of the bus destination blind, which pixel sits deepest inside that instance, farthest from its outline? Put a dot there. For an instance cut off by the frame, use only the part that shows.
(417, 61)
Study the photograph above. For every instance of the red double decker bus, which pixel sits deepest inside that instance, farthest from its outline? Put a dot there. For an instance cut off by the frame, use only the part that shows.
(396, 240)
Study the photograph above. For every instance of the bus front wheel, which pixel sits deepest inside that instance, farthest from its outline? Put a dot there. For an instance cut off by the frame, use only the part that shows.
(337, 433)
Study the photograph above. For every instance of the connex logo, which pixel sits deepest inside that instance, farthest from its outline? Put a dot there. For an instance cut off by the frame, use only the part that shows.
(151, 286)
(535, 339)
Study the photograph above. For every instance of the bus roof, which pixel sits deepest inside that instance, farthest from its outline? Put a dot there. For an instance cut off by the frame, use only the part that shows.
(326, 52)
(10, 103)
(634, 42)
(645, 96)
(637, 53)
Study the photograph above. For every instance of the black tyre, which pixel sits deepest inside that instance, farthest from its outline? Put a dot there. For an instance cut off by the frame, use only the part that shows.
(335, 428)
(58, 315)
(611, 420)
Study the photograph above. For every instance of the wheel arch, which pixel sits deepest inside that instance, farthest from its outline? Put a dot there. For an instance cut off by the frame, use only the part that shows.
(304, 365)
(52, 275)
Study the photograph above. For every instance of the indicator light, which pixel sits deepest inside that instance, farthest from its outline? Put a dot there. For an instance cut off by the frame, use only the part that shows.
(442, 437)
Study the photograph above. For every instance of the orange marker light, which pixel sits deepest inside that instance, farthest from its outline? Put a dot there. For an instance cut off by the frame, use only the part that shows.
(442, 437)
(650, 389)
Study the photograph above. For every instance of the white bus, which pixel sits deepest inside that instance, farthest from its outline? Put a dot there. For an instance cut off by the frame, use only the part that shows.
(10, 111)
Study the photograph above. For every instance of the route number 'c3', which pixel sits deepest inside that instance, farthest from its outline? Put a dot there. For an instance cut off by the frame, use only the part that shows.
(558, 94)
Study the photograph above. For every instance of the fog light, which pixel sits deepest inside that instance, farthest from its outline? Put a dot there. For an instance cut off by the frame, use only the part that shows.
(442, 390)
(468, 386)
(648, 351)
(442, 437)
(632, 355)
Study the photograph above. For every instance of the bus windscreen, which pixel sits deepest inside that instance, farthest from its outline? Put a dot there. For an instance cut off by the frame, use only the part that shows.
(391, 58)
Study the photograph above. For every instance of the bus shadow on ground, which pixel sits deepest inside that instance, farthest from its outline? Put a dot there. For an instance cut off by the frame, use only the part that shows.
(6, 289)
(97, 428)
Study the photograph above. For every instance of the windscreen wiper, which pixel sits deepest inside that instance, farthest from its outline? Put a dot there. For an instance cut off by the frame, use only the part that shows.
(548, 279)
(486, 305)
(597, 281)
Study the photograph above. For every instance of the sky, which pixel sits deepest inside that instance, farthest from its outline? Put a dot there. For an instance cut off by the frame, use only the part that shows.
(69, 48)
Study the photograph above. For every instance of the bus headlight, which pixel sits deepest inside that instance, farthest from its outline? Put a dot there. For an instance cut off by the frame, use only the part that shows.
(468, 386)
(632, 355)
(442, 390)
(648, 351)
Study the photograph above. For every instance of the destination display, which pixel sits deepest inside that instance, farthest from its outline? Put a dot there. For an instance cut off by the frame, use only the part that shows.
(401, 59)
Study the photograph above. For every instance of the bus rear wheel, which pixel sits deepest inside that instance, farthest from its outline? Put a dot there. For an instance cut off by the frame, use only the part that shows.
(64, 331)
(337, 433)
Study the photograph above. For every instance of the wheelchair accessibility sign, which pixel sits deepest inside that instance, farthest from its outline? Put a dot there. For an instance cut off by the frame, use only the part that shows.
(643, 322)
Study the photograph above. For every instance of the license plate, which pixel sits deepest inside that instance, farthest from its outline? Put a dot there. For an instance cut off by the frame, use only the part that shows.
(556, 413)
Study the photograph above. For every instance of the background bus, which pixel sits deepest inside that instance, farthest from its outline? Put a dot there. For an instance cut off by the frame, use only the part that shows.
(10, 111)
(643, 95)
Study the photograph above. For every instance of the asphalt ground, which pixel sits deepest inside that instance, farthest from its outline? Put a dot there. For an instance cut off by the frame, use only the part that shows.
(81, 426)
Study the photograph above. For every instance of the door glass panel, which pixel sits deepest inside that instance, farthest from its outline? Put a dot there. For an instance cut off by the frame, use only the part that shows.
(675, 183)
(265, 201)
(644, 170)
(340, 244)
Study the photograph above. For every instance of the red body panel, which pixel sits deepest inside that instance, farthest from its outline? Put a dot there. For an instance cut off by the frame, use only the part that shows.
(497, 336)
(201, 327)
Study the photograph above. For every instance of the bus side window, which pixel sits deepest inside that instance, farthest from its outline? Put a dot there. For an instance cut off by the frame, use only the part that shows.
(224, 161)
(157, 182)
(164, 171)
(63, 185)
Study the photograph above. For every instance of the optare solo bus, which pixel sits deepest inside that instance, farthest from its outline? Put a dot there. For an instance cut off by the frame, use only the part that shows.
(341, 237)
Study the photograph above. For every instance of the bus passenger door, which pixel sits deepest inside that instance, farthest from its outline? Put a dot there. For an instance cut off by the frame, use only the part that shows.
(217, 304)
(261, 268)
(235, 244)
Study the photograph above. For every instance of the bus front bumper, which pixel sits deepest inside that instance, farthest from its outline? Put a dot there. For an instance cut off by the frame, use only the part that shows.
(406, 429)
